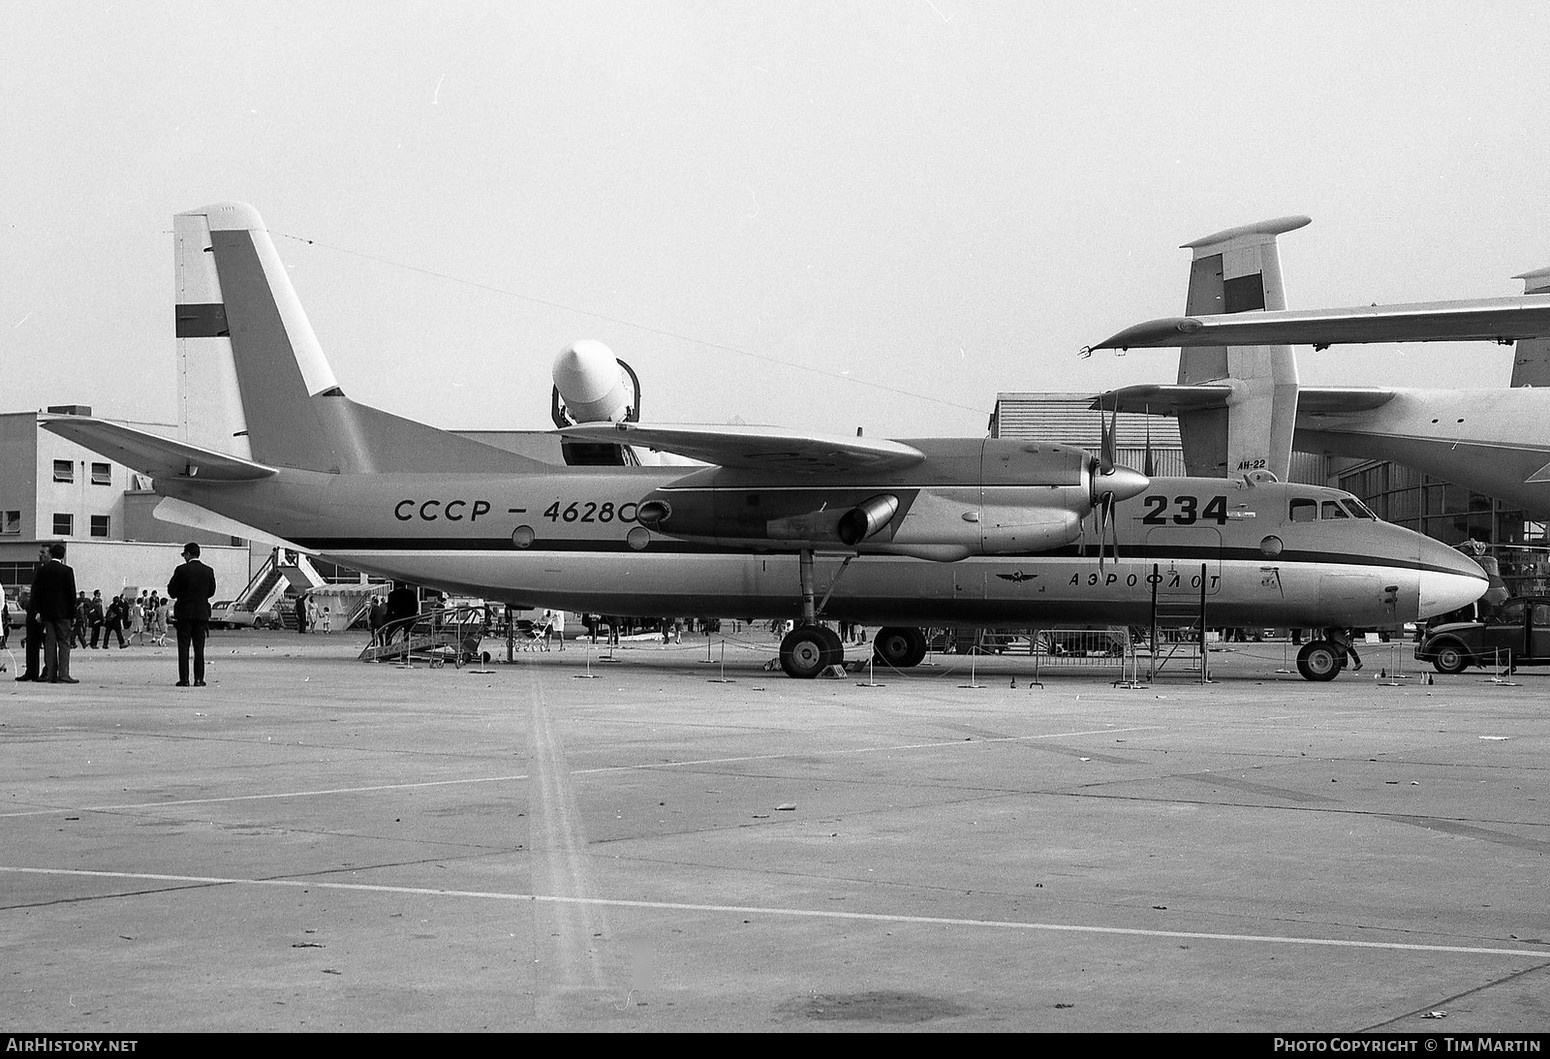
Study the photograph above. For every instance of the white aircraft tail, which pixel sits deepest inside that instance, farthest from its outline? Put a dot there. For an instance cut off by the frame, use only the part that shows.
(252, 379)
(1239, 270)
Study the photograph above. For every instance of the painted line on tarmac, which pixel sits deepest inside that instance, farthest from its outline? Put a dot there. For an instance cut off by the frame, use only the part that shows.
(129, 806)
(798, 913)
(961, 741)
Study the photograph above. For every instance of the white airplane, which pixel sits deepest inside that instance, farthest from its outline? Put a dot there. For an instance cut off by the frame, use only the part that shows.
(954, 531)
(1240, 406)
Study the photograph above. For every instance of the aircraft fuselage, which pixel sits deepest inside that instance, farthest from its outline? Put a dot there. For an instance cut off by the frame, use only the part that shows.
(570, 539)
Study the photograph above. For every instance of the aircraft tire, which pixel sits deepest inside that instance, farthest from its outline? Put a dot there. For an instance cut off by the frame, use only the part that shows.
(834, 651)
(1450, 658)
(804, 652)
(1320, 660)
(899, 646)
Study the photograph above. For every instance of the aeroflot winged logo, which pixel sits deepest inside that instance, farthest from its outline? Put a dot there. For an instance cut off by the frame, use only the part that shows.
(1017, 577)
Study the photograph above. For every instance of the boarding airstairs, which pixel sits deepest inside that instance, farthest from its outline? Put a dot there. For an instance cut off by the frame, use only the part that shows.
(283, 570)
(436, 637)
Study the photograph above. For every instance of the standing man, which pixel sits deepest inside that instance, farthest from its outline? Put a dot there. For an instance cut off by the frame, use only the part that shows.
(95, 618)
(54, 603)
(192, 586)
(32, 638)
(402, 603)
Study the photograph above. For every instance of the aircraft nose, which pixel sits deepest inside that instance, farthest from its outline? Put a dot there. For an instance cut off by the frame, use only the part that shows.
(1449, 579)
(1123, 482)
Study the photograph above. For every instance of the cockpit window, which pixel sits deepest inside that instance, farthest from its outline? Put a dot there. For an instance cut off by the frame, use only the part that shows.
(1304, 511)
(1332, 509)
(1358, 509)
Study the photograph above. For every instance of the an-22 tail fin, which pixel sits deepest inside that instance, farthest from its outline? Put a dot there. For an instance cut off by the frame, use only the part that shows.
(253, 381)
(1233, 271)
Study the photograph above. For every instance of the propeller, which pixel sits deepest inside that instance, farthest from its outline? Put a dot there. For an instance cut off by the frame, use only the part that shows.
(1110, 484)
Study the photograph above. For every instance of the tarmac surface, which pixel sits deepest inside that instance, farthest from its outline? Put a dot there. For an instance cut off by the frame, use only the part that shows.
(566, 843)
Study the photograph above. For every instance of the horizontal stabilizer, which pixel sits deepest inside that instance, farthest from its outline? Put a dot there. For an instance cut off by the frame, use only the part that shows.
(757, 448)
(1163, 400)
(1335, 400)
(153, 454)
(1470, 320)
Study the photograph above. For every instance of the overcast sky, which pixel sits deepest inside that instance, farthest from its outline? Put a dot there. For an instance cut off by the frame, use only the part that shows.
(819, 215)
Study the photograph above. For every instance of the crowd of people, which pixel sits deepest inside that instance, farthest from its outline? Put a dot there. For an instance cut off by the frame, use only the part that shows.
(58, 618)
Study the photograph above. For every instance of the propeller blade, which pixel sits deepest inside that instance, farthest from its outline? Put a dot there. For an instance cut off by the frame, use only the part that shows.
(1106, 443)
(1103, 523)
(1148, 468)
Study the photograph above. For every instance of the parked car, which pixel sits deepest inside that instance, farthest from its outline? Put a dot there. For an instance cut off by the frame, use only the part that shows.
(225, 615)
(1516, 633)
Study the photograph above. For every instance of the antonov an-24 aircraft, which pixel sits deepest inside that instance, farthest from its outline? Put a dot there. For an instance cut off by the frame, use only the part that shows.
(955, 531)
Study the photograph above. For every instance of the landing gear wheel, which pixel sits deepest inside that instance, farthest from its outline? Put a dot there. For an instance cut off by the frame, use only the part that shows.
(1320, 660)
(899, 646)
(1450, 659)
(806, 651)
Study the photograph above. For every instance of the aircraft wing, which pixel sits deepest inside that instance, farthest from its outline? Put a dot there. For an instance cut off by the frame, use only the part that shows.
(153, 454)
(757, 448)
(1477, 319)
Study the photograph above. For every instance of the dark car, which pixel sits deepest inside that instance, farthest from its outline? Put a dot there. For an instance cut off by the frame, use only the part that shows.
(1516, 633)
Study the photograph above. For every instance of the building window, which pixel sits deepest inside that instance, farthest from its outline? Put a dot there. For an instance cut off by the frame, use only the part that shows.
(101, 474)
(64, 525)
(11, 522)
(64, 470)
(99, 525)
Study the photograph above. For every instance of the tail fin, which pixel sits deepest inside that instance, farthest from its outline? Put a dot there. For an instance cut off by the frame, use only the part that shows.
(1239, 270)
(253, 381)
(1531, 360)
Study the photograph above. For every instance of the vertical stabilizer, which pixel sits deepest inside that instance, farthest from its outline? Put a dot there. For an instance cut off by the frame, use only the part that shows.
(1531, 359)
(1239, 270)
(253, 380)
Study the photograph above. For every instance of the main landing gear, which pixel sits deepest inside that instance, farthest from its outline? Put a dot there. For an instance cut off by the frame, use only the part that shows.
(899, 646)
(808, 650)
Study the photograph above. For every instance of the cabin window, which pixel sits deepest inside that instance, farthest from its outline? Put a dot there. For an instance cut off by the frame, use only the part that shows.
(1332, 509)
(1304, 511)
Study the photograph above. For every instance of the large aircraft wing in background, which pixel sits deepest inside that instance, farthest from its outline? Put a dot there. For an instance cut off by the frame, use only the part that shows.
(1470, 320)
(758, 448)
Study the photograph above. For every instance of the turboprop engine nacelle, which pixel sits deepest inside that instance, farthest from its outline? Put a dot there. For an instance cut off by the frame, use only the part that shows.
(1007, 499)
(592, 383)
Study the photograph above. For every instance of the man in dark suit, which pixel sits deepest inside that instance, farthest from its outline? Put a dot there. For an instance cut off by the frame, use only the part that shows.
(53, 602)
(402, 603)
(192, 586)
(32, 639)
